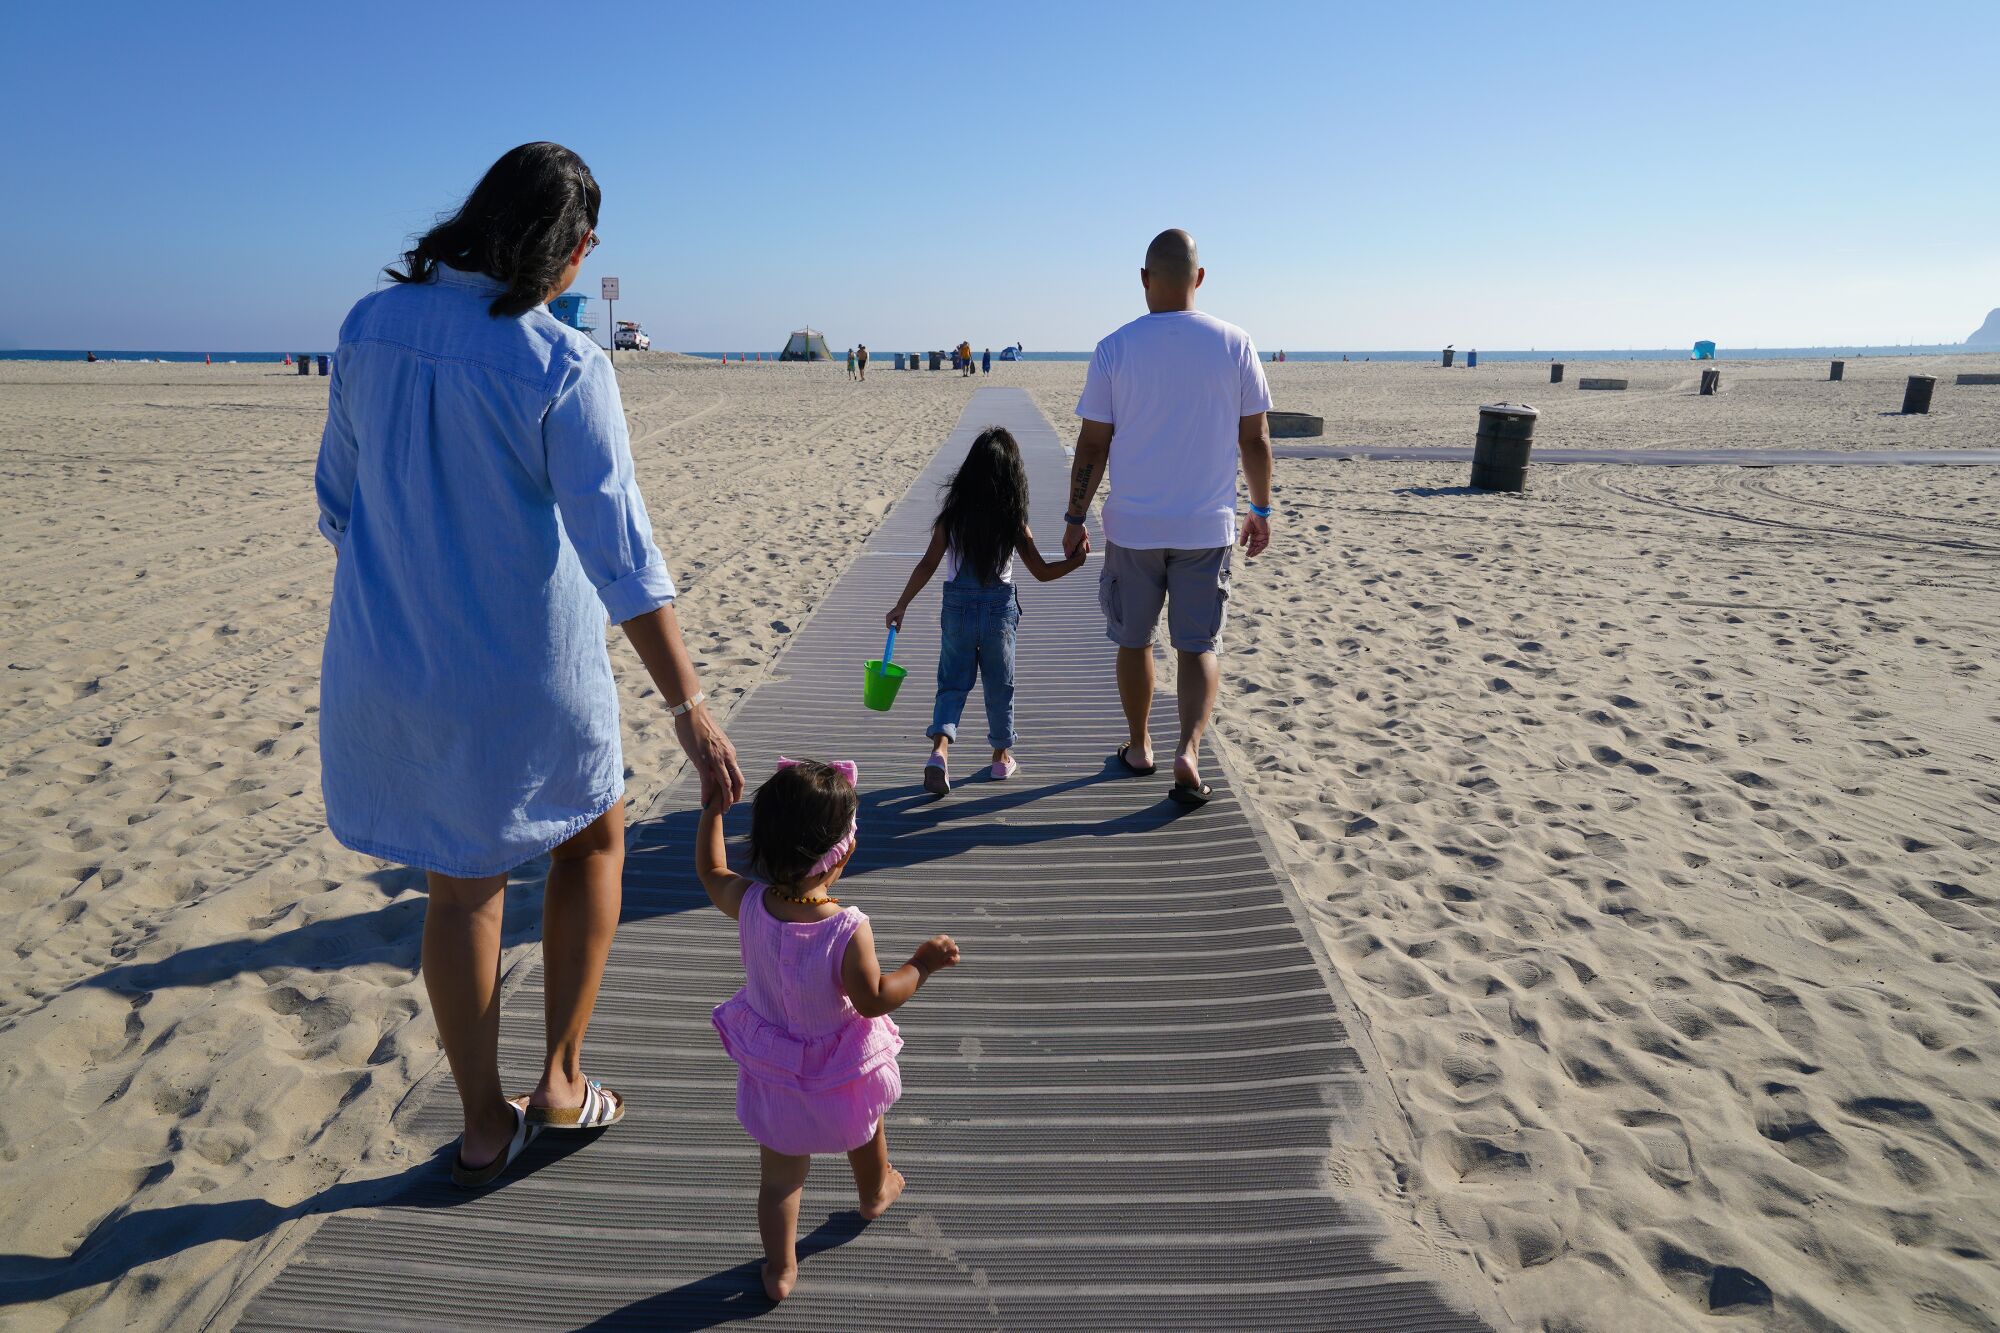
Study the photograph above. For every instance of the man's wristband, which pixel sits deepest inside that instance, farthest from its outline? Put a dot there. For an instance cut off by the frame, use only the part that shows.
(1261, 511)
(681, 709)
(1074, 520)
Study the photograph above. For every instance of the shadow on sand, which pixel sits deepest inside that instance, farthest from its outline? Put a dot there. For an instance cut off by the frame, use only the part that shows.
(130, 1239)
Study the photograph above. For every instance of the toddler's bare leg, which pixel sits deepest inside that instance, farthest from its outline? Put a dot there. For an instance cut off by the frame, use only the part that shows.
(878, 1183)
(778, 1219)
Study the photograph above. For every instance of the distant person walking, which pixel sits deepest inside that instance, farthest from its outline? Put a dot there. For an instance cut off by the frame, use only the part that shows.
(986, 362)
(1171, 403)
(476, 482)
(861, 360)
(850, 363)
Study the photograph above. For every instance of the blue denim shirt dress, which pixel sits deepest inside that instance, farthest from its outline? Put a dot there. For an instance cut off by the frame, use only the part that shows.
(475, 478)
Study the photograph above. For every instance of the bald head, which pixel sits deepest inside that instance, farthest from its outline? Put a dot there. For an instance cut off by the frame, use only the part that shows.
(1172, 258)
(1172, 272)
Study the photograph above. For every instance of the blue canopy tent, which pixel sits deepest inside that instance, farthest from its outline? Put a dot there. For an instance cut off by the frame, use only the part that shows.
(1703, 351)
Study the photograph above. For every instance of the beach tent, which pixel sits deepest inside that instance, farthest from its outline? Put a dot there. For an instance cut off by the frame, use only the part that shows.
(1703, 351)
(806, 345)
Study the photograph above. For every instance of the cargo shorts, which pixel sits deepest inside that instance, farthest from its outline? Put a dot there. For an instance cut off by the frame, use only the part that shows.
(1193, 585)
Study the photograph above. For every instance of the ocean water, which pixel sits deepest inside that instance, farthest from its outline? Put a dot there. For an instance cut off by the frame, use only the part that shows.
(878, 357)
(76, 354)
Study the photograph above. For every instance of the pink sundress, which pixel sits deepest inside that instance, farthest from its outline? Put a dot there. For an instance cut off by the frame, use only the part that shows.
(813, 1075)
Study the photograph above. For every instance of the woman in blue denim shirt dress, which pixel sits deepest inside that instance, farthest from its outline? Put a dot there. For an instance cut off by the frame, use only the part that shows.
(476, 481)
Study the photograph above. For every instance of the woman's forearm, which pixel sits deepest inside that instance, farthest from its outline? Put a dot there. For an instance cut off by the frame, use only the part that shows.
(657, 637)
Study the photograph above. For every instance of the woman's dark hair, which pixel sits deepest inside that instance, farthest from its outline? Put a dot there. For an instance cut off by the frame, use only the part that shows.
(986, 504)
(800, 812)
(520, 225)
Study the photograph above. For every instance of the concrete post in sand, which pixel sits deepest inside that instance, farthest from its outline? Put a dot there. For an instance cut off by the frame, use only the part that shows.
(1500, 450)
(1917, 395)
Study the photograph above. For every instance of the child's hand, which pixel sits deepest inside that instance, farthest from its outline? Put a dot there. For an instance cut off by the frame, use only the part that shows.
(894, 620)
(935, 954)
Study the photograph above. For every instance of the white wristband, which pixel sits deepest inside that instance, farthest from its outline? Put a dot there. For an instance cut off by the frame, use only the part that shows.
(678, 709)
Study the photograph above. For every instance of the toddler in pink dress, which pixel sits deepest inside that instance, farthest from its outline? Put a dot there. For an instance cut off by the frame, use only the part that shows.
(810, 1031)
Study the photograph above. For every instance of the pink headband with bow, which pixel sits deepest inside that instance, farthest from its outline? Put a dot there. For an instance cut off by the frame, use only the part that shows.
(838, 852)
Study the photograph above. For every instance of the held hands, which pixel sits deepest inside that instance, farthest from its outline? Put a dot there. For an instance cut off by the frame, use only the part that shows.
(714, 758)
(1076, 541)
(1255, 536)
(935, 954)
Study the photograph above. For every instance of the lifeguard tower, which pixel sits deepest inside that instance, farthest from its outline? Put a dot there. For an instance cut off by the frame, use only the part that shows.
(569, 308)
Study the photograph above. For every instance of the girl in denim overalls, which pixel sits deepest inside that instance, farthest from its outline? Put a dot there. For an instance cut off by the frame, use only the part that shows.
(981, 527)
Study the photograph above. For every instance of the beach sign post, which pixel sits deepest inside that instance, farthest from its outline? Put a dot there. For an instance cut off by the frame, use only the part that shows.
(609, 289)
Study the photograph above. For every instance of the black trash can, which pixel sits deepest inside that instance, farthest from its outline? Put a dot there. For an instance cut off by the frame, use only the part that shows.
(305, 363)
(1917, 396)
(1500, 451)
(1711, 380)
(937, 360)
(1448, 355)
(1837, 371)
(1555, 372)
(325, 363)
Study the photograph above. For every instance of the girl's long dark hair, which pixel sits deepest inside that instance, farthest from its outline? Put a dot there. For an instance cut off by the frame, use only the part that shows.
(986, 504)
(520, 225)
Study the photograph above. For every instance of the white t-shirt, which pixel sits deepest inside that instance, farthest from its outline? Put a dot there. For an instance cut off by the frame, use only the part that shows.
(1173, 386)
(951, 565)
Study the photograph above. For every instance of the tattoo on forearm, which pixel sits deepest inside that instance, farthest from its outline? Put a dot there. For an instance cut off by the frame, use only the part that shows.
(1080, 474)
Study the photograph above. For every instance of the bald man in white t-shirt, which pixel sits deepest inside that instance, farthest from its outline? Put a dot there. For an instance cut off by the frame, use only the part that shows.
(1182, 396)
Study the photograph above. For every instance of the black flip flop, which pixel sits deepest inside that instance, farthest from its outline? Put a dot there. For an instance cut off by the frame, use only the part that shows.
(1184, 794)
(1132, 768)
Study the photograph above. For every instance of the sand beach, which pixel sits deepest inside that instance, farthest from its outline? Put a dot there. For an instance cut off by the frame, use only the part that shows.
(1647, 817)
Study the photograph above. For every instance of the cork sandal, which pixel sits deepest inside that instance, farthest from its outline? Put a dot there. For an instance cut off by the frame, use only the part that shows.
(602, 1108)
(474, 1178)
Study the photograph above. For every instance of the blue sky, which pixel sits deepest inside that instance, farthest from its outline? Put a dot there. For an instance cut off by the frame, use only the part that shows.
(232, 177)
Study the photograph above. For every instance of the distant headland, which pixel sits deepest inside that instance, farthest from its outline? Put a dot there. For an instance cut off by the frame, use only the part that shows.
(1989, 332)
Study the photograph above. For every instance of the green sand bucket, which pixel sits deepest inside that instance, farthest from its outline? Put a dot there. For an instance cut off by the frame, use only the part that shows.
(878, 689)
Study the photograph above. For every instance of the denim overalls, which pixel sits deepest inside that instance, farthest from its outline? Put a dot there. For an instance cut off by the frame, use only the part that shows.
(976, 640)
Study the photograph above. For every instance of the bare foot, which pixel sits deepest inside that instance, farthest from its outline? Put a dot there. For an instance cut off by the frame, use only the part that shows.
(1185, 772)
(779, 1284)
(892, 1190)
